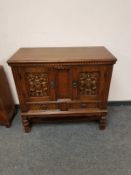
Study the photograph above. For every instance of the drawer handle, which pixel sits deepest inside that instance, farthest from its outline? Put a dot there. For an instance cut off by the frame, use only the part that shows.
(83, 105)
(74, 83)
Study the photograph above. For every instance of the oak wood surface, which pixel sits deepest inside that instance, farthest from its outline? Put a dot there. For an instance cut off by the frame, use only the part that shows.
(62, 54)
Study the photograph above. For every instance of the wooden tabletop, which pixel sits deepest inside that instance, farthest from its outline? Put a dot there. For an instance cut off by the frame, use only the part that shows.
(61, 54)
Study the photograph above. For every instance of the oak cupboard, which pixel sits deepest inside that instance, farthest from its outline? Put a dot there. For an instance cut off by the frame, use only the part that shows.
(62, 83)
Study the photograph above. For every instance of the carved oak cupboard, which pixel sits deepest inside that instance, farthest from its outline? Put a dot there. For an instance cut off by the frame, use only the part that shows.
(62, 83)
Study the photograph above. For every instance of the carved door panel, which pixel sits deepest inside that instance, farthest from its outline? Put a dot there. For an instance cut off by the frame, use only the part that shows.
(39, 83)
(87, 82)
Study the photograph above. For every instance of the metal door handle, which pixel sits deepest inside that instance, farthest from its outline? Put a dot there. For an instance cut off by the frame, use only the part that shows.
(74, 83)
(52, 84)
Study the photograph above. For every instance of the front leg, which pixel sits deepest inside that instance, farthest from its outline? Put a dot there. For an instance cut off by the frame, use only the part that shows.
(8, 125)
(26, 124)
(102, 122)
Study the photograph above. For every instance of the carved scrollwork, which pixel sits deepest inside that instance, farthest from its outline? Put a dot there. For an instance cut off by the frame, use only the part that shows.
(38, 84)
(88, 83)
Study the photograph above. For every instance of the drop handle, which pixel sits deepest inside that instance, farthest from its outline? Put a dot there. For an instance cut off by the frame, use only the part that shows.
(74, 83)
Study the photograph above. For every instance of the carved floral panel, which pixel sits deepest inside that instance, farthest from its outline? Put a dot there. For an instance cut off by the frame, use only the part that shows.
(38, 84)
(88, 83)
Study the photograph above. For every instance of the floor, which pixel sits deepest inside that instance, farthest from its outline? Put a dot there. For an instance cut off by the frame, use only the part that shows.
(68, 148)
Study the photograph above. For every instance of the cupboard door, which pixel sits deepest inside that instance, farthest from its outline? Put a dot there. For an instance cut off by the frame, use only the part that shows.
(39, 83)
(87, 82)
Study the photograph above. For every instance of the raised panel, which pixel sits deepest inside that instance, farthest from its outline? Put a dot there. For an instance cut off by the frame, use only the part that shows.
(37, 84)
(87, 82)
(63, 83)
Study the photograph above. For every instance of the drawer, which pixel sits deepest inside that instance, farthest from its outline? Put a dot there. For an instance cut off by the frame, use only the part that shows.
(42, 106)
(83, 105)
(78, 105)
(62, 106)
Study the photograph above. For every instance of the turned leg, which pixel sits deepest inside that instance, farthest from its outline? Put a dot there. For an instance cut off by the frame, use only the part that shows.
(26, 124)
(102, 123)
(8, 125)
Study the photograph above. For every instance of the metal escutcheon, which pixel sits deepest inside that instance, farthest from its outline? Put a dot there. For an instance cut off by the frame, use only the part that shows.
(74, 83)
(52, 84)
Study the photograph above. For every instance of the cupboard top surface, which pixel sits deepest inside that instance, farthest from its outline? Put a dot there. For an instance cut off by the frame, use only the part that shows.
(62, 54)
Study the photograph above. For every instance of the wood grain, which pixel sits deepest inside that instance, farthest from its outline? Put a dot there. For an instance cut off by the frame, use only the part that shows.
(62, 54)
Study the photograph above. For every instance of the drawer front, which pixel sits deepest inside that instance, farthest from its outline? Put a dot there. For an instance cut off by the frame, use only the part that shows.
(42, 107)
(83, 105)
(62, 106)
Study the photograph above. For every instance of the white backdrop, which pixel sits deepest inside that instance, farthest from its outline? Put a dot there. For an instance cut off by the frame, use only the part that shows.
(45, 23)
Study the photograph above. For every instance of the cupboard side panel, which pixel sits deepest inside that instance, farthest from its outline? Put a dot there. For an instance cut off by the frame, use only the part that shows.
(105, 85)
(21, 91)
